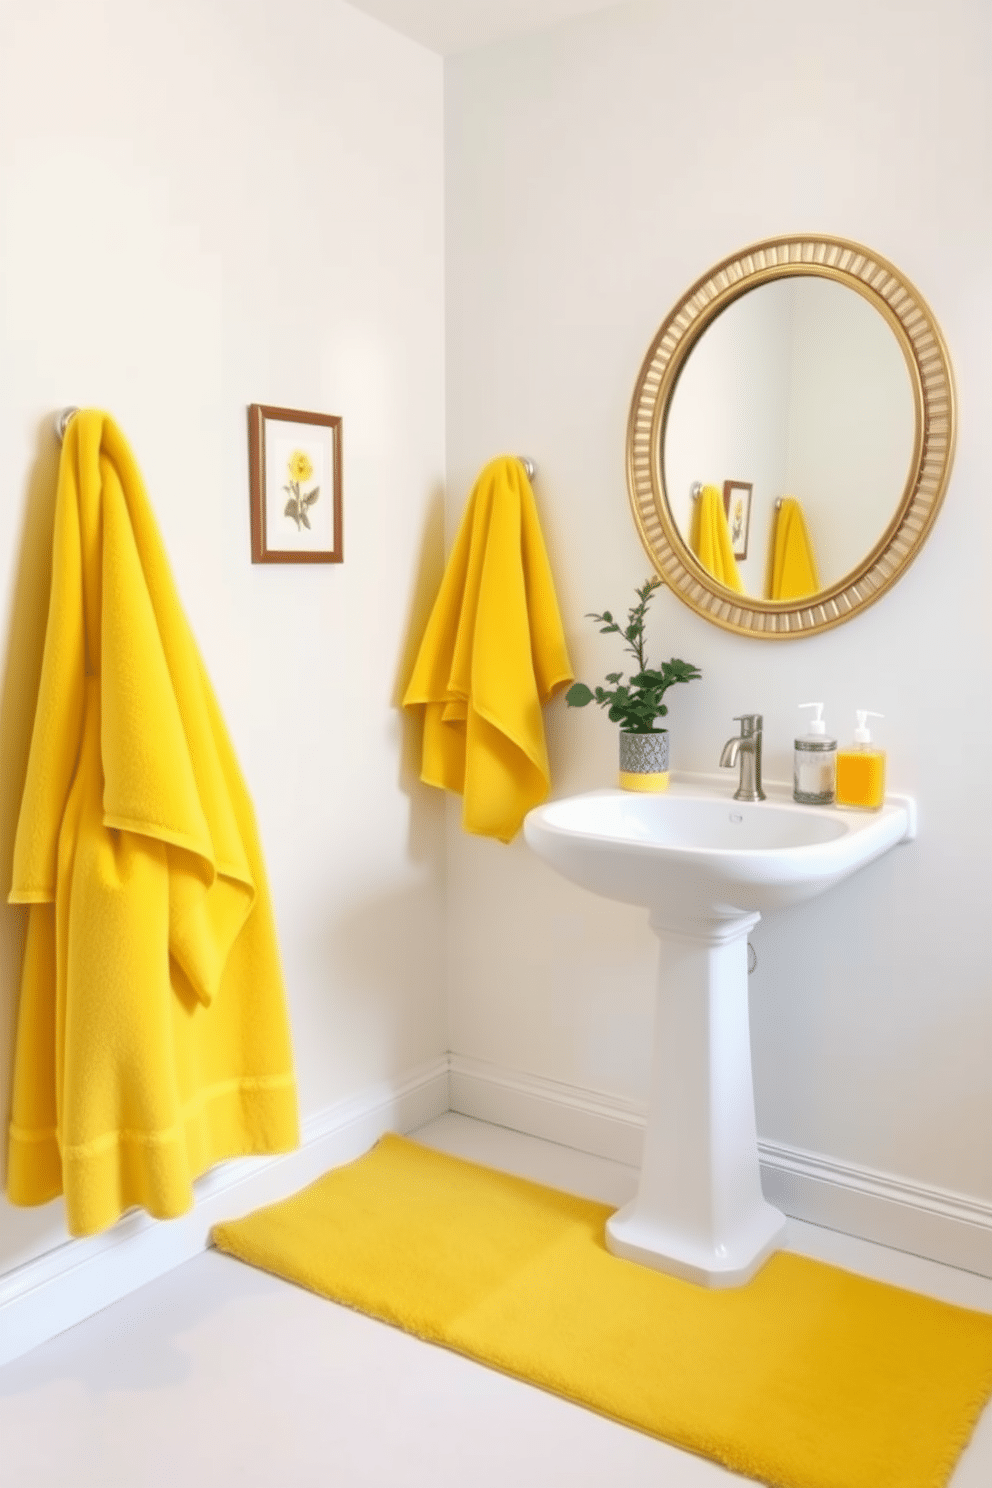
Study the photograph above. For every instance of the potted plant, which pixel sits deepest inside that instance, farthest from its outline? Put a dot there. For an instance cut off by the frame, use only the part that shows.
(636, 705)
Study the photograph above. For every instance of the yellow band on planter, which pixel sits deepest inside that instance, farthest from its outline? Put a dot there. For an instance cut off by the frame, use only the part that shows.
(650, 781)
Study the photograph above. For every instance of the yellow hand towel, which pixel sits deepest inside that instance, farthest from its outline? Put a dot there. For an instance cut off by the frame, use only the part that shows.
(152, 1035)
(493, 652)
(712, 540)
(794, 574)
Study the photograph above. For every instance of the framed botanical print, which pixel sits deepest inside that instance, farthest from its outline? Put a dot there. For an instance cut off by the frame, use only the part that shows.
(737, 505)
(294, 466)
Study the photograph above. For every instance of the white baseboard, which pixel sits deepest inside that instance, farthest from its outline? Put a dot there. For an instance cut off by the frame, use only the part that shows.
(600, 1124)
(55, 1291)
(931, 1222)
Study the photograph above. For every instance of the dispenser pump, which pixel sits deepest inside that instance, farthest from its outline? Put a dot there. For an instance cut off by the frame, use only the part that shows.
(816, 723)
(862, 734)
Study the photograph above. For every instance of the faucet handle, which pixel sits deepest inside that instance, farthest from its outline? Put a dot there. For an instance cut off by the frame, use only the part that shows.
(751, 723)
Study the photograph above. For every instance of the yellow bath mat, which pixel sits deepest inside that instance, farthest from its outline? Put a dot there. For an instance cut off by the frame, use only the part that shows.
(809, 1377)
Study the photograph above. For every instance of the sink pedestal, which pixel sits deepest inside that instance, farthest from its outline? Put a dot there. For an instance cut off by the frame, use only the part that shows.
(688, 856)
(699, 1212)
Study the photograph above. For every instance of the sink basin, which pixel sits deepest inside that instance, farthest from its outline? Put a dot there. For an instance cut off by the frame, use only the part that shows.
(695, 853)
(705, 865)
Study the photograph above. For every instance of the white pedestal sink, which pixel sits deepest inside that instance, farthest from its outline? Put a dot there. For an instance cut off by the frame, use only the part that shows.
(705, 865)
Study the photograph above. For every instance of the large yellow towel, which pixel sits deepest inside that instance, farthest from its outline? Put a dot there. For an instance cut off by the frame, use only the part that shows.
(712, 540)
(152, 1036)
(794, 574)
(493, 652)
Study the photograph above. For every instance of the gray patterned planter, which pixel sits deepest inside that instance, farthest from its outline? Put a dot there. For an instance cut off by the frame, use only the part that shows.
(644, 761)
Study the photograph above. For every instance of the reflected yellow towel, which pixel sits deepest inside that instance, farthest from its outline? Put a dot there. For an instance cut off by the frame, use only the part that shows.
(152, 1035)
(808, 1377)
(492, 654)
(794, 574)
(711, 543)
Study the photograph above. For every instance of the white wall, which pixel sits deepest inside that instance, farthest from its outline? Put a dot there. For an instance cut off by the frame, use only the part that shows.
(594, 172)
(202, 205)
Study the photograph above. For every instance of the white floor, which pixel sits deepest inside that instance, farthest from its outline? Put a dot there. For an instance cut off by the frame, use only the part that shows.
(218, 1374)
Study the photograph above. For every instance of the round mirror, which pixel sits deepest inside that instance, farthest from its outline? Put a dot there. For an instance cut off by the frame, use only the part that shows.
(791, 436)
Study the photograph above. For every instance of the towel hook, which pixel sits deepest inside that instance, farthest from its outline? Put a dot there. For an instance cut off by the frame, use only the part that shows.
(528, 465)
(62, 422)
(696, 490)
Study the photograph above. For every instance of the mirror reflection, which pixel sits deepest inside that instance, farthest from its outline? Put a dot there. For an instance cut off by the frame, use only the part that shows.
(789, 438)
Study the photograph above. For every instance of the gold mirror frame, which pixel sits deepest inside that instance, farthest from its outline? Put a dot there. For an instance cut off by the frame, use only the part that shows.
(933, 394)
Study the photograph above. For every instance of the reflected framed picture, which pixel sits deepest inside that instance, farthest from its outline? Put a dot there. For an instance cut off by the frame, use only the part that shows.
(294, 468)
(737, 505)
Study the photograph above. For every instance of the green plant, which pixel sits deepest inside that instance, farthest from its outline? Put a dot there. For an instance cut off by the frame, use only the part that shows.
(636, 704)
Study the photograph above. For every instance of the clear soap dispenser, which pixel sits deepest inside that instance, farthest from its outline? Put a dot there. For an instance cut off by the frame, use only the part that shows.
(814, 769)
(861, 769)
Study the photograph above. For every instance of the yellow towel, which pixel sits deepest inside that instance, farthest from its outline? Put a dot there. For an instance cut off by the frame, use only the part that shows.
(152, 1035)
(712, 540)
(493, 652)
(794, 574)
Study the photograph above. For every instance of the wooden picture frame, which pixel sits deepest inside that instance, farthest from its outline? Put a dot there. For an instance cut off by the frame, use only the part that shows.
(294, 468)
(737, 505)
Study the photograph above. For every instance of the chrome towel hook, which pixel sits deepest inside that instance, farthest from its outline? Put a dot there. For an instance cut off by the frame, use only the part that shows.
(62, 422)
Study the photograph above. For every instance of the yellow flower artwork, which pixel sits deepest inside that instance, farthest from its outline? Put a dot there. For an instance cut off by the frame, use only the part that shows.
(300, 469)
(300, 466)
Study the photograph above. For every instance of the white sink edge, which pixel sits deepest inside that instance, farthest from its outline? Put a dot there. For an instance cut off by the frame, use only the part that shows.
(777, 791)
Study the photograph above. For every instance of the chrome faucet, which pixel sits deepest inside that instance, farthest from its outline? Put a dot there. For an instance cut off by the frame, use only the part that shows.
(746, 746)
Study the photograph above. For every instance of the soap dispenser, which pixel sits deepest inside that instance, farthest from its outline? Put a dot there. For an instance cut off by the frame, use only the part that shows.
(814, 771)
(861, 769)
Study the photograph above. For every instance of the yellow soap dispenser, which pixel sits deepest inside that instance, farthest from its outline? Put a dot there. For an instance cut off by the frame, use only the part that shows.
(861, 769)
